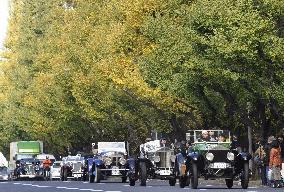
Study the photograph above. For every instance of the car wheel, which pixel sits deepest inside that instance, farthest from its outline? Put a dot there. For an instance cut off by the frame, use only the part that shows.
(132, 182)
(65, 175)
(245, 176)
(182, 181)
(143, 173)
(229, 183)
(194, 176)
(124, 179)
(98, 175)
(172, 181)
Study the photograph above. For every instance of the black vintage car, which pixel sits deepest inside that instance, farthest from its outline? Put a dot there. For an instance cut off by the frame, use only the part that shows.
(212, 157)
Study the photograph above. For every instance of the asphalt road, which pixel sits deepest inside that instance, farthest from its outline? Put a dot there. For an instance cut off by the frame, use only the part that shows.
(116, 186)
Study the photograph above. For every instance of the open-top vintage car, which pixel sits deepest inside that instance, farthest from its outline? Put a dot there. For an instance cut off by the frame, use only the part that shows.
(156, 162)
(28, 168)
(111, 160)
(212, 157)
(72, 167)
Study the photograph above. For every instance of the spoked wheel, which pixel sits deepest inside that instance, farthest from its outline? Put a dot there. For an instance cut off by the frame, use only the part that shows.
(245, 176)
(229, 183)
(143, 173)
(194, 176)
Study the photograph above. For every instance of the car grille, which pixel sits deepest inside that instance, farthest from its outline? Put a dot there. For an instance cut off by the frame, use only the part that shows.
(165, 158)
(219, 156)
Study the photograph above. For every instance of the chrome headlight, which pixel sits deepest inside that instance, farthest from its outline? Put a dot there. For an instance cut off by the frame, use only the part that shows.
(230, 156)
(122, 161)
(157, 159)
(209, 156)
(107, 161)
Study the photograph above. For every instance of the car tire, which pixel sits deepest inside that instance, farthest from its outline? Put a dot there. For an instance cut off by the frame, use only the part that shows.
(229, 183)
(98, 175)
(245, 176)
(182, 181)
(132, 182)
(65, 175)
(124, 179)
(172, 181)
(143, 173)
(194, 176)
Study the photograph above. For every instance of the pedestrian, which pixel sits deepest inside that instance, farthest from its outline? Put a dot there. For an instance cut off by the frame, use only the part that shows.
(259, 156)
(267, 149)
(275, 164)
(281, 143)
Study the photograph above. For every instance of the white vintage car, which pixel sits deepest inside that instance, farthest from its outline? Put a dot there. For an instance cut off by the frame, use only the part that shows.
(55, 170)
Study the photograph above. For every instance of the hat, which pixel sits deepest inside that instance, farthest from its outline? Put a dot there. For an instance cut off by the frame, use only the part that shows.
(270, 139)
(204, 131)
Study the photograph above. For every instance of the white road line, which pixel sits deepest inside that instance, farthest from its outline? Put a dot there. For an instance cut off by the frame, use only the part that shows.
(17, 183)
(3, 182)
(126, 185)
(202, 189)
(87, 190)
(97, 190)
(112, 191)
(101, 183)
(209, 185)
(27, 184)
(149, 186)
(71, 188)
(86, 182)
(35, 185)
(43, 186)
(61, 187)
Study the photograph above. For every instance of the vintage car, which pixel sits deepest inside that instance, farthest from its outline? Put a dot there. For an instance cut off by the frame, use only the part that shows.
(156, 162)
(72, 167)
(28, 168)
(212, 157)
(111, 160)
(55, 170)
(4, 173)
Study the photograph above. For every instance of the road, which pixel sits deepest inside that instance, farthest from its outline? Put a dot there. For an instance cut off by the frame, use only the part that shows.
(116, 186)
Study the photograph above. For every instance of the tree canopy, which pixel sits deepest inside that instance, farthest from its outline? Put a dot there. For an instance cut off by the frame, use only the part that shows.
(81, 71)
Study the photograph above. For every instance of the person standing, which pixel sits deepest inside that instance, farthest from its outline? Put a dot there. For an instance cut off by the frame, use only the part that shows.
(275, 164)
(281, 143)
(259, 157)
(267, 149)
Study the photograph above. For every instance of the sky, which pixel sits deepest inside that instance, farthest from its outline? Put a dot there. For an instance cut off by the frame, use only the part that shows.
(4, 12)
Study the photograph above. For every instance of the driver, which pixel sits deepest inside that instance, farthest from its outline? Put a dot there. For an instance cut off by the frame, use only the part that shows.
(46, 165)
(204, 136)
(222, 138)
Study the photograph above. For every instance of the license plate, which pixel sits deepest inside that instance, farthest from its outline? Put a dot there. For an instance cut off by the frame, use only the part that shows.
(165, 172)
(115, 171)
(219, 165)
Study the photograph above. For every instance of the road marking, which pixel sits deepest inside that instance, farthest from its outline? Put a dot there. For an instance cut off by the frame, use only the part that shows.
(27, 184)
(3, 182)
(202, 189)
(86, 182)
(35, 185)
(126, 185)
(61, 187)
(16, 183)
(209, 185)
(97, 190)
(101, 183)
(112, 191)
(72, 188)
(90, 189)
(43, 186)
(149, 186)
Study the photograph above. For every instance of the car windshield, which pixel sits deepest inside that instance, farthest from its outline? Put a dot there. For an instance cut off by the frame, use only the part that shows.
(212, 136)
(106, 147)
(3, 170)
(24, 156)
(56, 165)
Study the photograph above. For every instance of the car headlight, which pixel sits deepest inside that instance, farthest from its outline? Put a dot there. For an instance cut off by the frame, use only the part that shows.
(107, 161)
(209, 156)
(122, 161)
(157, 159)
(230, 156)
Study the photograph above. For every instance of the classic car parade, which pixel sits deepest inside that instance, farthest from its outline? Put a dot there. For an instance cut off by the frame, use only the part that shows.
(212, 157)
(157, 162)
(71, 167)
(111, 160)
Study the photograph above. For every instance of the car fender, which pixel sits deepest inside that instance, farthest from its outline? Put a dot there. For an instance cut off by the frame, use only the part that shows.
(245, 156)
(193, 156)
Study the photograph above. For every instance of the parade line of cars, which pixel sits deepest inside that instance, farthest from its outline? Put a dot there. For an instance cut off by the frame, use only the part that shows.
(208, 158)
